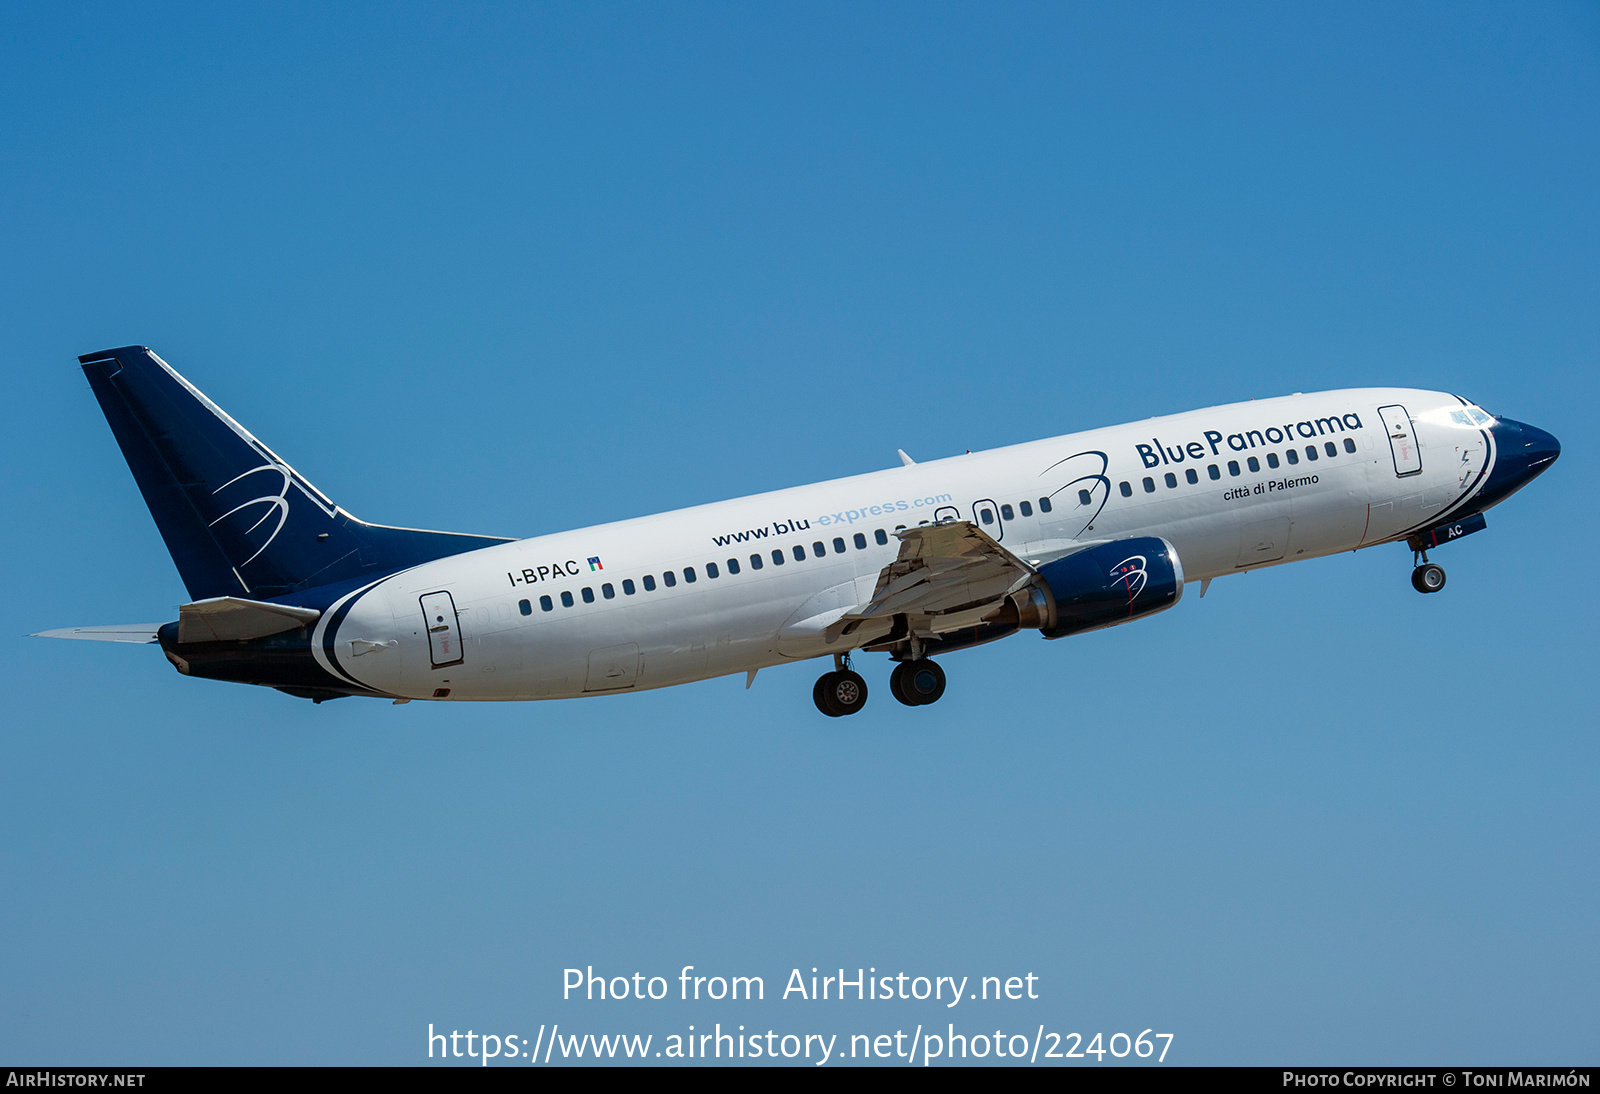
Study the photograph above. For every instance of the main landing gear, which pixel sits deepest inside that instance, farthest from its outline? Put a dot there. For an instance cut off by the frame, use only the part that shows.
(1428, 577)
(840, 692)
(915, 683)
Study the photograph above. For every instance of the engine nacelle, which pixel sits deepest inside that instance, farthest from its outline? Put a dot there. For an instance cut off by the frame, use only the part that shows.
(1111, 583)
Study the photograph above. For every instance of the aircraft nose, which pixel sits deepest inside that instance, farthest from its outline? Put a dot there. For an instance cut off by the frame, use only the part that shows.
(1522, 453)
(1529, 446)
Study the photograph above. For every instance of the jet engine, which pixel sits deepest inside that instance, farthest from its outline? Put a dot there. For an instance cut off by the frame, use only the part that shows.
(1104, 585)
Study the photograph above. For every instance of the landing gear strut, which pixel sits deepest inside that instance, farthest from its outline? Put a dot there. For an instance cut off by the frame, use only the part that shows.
(917, 683)
(1428, 577)
(840, 692)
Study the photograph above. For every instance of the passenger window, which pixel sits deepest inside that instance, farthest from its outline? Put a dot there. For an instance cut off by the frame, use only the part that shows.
(1214, 471)
(1253, 463)
(733, 565)
(1292, 456)
(1272, 458)
(1349, 445)
(524, 607)
(1192, 475)
(777, 558)
(669, 579)
(881, 537)
(1172, 480)
(546, 604)
(1149, 485)
(608, 591)
(1026, 507)
(588, 595)
(566, 599)
(688, 575)
(711, 570)
(627, 586)
(1233, 467)
(1044, 505)
(755, 562)
(1084, 498)
(1005, 513)
(649, 583)
(838, 545)
(861, 542)
(1330, 448)
(986, 515)
(1311, 452)
(799, 553)
(1126, 488)
(818, 549)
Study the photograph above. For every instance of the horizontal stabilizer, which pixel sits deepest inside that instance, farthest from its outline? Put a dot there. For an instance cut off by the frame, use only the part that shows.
(141, 633)
(233, 619)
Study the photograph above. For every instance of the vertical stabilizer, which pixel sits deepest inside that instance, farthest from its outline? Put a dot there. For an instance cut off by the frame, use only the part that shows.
(238, 520)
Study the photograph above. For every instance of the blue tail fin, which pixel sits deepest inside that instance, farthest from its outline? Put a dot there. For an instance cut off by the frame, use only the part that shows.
(236, 518)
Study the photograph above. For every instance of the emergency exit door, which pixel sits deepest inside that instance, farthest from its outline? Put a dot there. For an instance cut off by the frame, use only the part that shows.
(986, 515)
(1402, 440)
(444, 629)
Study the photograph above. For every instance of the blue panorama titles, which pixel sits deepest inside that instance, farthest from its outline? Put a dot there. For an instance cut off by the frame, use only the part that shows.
(1156, 454)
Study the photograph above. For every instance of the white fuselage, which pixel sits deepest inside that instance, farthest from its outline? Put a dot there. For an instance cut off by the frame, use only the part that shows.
(1218, 484)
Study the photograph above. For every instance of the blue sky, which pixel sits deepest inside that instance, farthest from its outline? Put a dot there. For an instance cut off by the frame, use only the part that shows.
(510, 269)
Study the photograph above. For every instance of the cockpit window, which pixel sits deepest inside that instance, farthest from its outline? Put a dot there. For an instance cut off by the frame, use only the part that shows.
(1471, 417)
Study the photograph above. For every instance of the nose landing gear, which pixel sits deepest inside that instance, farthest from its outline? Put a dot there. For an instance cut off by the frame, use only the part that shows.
(1428, 577)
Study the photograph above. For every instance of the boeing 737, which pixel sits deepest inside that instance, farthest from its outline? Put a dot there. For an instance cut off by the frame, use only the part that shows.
(1059, 536)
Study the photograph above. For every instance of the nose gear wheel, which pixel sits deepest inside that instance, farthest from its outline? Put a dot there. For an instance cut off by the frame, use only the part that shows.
(1428, 578)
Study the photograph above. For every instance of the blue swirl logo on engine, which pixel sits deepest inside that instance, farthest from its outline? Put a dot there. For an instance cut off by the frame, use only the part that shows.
(1131, 574)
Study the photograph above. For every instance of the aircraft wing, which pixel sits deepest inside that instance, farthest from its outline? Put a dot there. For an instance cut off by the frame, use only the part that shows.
(122, 632)
(942, 570)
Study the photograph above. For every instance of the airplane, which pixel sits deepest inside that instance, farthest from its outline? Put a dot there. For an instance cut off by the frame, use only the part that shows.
(1061, 536)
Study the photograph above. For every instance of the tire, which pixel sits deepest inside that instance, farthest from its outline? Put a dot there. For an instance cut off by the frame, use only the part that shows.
(923, 681)
(839, 693)
(897, 685)
(819, 695)
(846, 694)
(1428, 578)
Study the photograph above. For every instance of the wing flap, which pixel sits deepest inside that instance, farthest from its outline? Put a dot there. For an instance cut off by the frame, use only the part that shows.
(943, 569)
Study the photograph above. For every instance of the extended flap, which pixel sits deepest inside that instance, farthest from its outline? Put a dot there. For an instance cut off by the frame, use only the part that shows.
(234, 619)
(943, 568)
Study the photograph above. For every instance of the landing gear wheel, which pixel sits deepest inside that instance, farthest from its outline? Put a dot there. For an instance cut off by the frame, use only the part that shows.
(1428, 578)
(897, 685)
(839, 693)
(917, 683)
(817, 690)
